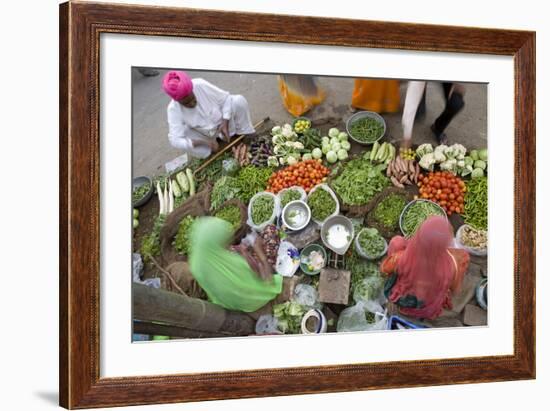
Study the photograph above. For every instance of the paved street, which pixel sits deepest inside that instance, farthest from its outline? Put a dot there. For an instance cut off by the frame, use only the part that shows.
(151, 149)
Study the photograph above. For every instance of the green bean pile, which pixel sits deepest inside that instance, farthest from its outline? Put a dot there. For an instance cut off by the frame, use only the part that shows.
(139, 192)
(231, 214)
(262, 209)
(289, 195)
(321, 203)
(417, 213)
(366, 129)
(475, 203)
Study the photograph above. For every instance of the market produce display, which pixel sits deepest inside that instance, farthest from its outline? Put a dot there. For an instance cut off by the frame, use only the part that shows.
(475, 207)
(388, 211)
(252, 180)
(452, 159)
(260, 151)
(477, 160)
(403, 172)
(359, 170)
(301, 125)
(225, 188)
(407, 153)
(321, 204)
(139, 192)
(181, 240)
(335, 146)
(231, 214)
(306, 174)
(445, 189)
(262, 209)
(366, 129)
(311, 139)
(371, 242)
(286, 147)
(474, 238)
(416, 213)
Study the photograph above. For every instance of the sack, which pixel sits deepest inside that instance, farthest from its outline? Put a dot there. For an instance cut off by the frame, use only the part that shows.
(354, 318)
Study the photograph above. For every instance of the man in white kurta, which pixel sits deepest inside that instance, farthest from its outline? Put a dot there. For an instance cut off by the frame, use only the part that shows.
(205, 113)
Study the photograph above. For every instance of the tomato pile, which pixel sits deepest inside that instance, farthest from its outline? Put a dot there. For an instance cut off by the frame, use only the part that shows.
(445, 189)
(306, 174)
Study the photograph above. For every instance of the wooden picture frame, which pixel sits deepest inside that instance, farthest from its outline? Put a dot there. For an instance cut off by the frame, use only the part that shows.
(80, 27)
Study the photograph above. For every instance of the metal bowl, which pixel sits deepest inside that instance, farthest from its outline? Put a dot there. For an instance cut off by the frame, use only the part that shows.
(443, 213)
(331, 221)
(300, 209)
(138, 182)
(358, 116)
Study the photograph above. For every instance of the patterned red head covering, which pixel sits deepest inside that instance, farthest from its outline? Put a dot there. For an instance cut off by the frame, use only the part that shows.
(177, 84)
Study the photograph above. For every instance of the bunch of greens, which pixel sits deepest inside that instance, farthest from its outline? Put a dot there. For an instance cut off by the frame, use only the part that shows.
(225, 188)
(231, 214)
(252, 180)
(321, 203)
(475, 203)
(139, 192)
(371, 242)
(388, 210)
(181, 240)
(417, 213)
(262, 209)
(366, 129)
(359, 181)
(289, 316)
(361, 269)
(150, 245)
(290, 195)
(212, 172)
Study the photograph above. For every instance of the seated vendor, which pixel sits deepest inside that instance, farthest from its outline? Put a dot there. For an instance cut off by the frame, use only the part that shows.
(200, 112)
(226, 276)
(424, 270)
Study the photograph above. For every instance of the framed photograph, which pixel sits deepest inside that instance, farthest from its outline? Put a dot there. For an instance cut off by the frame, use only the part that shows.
(256, 205)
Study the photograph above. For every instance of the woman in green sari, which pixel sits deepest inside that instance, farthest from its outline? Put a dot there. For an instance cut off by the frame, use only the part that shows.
(225, 276)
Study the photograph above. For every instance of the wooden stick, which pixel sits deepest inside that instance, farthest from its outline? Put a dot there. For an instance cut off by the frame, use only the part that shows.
(227, 147)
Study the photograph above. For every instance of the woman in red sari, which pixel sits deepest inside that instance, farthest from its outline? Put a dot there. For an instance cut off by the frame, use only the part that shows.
(424, 271)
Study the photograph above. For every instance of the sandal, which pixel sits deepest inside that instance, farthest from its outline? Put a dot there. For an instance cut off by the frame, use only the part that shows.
(441, 138)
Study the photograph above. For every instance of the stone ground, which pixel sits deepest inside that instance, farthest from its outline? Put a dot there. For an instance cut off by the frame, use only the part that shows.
(151, 149)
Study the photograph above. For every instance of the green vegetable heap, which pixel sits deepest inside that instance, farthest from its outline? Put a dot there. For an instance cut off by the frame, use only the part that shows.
(289, 195)
(475, 203)
(181, 240)
(360, 181)
(252, 180)
(360, 269)
(150, 245)
(366, 129)
(225, 188)
(289, 316)
(262, 209)
(231, 214)
(371, 242)
(417, 213)
(322, 204)
(388, 210)
(139, 192)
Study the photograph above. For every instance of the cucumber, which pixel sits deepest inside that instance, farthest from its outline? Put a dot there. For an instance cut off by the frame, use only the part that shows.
(176, 188)
(191, 181)
(183, 182)
(375, 148)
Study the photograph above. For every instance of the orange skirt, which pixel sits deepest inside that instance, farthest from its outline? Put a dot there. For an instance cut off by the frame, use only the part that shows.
(299, 93)
(381, 96)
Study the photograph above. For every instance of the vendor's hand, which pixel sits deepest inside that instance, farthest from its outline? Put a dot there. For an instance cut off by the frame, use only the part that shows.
(224, 128)
(214, 146)
(406, 143)
(265, 271)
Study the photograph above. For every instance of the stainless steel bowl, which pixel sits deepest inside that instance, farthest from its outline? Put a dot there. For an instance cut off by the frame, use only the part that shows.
(296, 215)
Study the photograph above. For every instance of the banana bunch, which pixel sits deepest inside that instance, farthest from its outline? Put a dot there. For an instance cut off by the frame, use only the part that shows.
(382, 153)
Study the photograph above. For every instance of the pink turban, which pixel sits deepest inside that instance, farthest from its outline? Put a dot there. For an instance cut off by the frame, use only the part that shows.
(177, 84)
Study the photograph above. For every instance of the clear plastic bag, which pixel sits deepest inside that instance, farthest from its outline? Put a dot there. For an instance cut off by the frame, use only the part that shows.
(137, 268)
(306, 295)
(267, 324)
(274, 214)
(303, 194)
(230, 166)
(369, 289)
(355, 319)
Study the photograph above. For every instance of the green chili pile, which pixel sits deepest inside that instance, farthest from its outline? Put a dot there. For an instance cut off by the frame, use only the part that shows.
(181, 240)
(252, 180)
(475, 203)
(321, 203)
(262, 209)
(388, 210)
(359, 181)
(417, 213)
(366, 129)
(231, 214)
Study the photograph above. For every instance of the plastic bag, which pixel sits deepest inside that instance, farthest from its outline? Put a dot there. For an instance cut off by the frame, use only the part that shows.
(473, 251)
(303, 194)
(354, 318)
(369, 289)
(274, 214)
(306, 295)
(332, 194)
(137, 268)
(267, 324)
(230, 166)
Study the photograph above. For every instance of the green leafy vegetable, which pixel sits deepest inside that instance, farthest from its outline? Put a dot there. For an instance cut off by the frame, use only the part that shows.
(231, 214)
(139, 192)
(289, 316)
(321, 203)
(290, 195)
(388, 210)
(225, 188)
(150, 245)
(371, 242)
(181, 240)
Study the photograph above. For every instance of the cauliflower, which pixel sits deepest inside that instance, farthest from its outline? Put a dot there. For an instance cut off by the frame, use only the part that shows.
(276, 130)
(277, 139)
(288, 133)
(424, 149)
(455, 151)
(439, 153)
(449, 165)
(427, 161)
(298, 145)
(272, 161)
